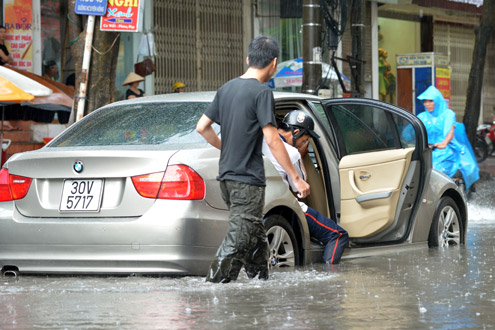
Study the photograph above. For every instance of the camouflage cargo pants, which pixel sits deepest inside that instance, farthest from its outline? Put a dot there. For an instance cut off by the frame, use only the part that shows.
(245, 243)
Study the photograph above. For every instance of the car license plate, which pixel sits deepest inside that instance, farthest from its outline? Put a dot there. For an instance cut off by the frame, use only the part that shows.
(81, 195)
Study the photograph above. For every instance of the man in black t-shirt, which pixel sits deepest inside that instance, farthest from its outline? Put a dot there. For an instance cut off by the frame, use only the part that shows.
(5, 58)
(244, 109)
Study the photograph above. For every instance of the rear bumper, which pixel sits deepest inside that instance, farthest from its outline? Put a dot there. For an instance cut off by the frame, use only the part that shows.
(166, 240)
(76, 259)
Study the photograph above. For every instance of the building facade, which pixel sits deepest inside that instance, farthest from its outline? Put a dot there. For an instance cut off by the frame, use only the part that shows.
(203, 43)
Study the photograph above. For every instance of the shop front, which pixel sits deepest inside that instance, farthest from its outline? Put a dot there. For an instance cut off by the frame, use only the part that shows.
(37, 39)
(440, 27)
(418, 71)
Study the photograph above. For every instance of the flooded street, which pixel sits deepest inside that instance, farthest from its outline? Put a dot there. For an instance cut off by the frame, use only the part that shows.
(428, 289)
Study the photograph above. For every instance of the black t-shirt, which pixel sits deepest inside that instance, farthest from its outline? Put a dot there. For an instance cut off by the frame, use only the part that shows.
(242, 107)
(129, 93)
(5, 51)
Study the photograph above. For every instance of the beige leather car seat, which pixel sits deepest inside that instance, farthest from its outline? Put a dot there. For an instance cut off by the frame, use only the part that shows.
(317, 197)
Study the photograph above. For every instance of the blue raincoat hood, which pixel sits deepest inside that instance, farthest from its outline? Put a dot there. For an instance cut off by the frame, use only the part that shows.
(439, 122)
(458, 155)
(431, 93)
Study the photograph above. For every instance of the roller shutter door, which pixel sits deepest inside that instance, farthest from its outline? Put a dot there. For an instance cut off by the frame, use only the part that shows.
(197, 42)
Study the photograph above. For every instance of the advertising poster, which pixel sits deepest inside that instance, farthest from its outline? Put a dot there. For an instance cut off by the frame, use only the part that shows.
(122, 15)
(18, 18)
(443, 83)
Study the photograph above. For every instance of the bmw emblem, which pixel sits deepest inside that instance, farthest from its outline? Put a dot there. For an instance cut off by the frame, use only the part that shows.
(78, 166)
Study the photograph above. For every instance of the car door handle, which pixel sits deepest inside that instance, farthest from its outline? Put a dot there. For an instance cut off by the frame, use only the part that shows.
(363, 197)
(353, 184)
(365, 176)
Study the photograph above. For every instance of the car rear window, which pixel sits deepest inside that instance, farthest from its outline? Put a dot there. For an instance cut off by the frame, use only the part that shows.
(153, 124)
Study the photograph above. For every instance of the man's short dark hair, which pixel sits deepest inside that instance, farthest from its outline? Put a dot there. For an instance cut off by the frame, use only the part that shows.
(49, 64)
(262, 50)
(2, 27)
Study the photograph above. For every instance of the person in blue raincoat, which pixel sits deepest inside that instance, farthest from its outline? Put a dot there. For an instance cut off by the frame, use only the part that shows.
(452, 151)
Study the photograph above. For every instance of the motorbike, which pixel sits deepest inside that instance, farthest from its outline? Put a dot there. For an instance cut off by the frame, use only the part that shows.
(457, 178)
(480, 149)
(485, 141)
(487, 132)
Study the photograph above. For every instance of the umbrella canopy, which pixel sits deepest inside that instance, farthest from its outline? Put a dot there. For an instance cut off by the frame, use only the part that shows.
(61, 98)
(27, 85)
(43, 107)
(11, 93)
(290, 73)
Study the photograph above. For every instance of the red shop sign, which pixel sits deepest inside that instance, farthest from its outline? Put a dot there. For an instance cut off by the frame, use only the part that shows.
(122, 15)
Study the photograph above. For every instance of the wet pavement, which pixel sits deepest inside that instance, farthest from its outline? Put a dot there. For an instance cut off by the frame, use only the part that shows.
(487, 167)
(426, 289)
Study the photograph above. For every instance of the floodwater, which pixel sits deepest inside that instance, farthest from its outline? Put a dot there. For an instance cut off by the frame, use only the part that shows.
(426, 289)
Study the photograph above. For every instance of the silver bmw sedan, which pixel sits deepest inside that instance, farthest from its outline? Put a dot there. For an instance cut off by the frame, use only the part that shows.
(131, 188)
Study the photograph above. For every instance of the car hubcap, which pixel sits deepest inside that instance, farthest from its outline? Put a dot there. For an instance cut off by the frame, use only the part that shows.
(281, 249)
(448, 227)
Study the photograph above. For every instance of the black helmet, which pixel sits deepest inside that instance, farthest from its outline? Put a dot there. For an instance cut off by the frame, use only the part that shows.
(303, 121)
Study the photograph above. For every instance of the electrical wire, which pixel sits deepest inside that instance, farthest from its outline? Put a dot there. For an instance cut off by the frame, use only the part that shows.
(335, 16)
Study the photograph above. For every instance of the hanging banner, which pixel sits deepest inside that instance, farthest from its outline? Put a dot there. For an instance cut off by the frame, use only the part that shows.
(442, 83)
(123, 16)
(18, 21)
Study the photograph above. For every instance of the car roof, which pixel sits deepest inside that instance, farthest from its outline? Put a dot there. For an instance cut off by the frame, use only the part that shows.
(207, 97)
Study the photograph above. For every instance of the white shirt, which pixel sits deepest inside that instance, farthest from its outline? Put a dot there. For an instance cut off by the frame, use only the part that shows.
(295, 159)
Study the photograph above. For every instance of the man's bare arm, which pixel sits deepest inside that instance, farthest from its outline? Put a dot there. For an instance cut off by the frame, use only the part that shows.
(280, 153)
(446, 141)
(204, 128)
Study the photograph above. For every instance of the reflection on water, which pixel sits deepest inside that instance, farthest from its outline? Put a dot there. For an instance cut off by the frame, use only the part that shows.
(437, 288)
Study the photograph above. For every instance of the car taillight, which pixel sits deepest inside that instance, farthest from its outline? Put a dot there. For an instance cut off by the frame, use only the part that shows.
(13, 187)
(19, 186)
(182, 182)
(148, 185)
(5, 194)
(178, 182)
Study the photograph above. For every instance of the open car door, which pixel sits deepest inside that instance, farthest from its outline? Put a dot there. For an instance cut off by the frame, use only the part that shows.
(384, 166)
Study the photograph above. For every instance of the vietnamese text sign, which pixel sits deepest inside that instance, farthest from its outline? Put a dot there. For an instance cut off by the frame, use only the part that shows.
(442, 83)
(18, 23)
(90, 7)
(414, 59)
(122, 15)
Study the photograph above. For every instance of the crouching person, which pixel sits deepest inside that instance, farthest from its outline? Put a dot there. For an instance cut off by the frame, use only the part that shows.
(296, 129)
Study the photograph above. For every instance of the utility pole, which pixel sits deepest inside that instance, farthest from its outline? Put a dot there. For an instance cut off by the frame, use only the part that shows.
(85, 67)
(475, 82)
(358, 47)
(311, 47)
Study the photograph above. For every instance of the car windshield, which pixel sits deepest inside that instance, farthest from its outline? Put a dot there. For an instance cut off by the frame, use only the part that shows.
(167, 125)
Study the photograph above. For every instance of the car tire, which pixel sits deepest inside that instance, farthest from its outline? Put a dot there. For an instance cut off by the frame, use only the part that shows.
(446, 228)
(284, 250)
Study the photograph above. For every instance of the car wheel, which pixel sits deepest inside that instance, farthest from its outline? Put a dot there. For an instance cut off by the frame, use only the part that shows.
(446, 227)
(284, 250)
